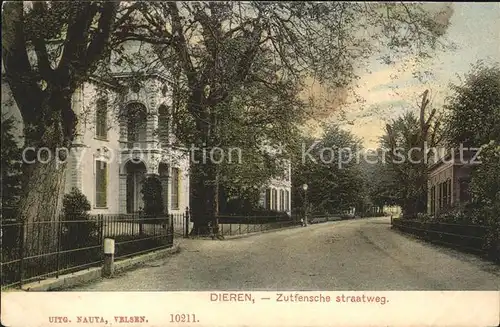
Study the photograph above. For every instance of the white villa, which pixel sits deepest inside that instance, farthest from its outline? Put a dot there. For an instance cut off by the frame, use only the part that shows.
(277, 195)
(113, 153)
(117, 153)
(122, 137)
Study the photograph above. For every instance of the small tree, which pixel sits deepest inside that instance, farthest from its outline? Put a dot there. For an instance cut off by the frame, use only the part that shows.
(152, 195)
(78, 230)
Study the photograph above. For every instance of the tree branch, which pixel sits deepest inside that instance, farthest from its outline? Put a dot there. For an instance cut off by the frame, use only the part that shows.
(40, 46)
(98, 43)
(19, 74)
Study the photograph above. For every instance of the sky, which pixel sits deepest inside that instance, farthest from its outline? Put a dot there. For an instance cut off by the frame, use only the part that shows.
(474, 28)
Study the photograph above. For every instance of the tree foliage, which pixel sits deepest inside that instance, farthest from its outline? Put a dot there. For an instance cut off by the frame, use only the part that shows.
(473, 119)
(411, 140)
(335, 181)
(48, 50)
(152, 196)
(473, 110)
(11, 157)
(382, 185)
(216, 52)
(221, 49)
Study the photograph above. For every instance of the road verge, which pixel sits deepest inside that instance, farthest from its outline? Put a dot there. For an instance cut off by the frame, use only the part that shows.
(91, 274)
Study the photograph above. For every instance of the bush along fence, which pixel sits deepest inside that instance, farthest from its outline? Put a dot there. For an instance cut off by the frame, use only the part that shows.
(479, 239)
(33, 251)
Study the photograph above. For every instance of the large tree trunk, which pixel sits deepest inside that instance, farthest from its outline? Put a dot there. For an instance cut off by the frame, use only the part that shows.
(40, 206)
(44, 171)
(204, 204)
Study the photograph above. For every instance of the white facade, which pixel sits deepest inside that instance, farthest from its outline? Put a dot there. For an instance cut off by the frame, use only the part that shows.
(127, 162)
(277, 194)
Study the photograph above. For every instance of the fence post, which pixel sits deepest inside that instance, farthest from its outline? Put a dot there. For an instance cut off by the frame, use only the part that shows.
(141, 227)
(133, 223)
(101, 225)
(186, 235)
(21, 253)
(109, 257)
(171, 235)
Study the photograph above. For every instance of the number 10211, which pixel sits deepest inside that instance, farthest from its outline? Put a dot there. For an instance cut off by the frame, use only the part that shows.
(183, 317)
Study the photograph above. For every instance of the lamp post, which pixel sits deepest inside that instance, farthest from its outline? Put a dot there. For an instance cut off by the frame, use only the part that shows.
(306, 204)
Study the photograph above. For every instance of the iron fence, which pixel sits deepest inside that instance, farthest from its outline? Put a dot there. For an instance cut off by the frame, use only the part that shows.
(33, 251)
(252, 227)
(467, 237)
(239, 225)
(181, 223)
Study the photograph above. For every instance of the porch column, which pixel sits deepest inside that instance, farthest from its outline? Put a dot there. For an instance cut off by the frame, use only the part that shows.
(151, 128)
(164, 188)
(122, 194)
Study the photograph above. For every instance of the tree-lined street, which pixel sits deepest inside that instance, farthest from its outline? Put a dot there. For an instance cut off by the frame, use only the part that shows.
(147, 121)
(345, 255)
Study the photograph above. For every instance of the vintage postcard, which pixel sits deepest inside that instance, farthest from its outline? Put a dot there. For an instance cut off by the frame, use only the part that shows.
(245, 163)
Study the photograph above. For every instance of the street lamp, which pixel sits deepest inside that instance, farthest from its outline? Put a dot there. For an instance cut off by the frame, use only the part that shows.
(306, 204)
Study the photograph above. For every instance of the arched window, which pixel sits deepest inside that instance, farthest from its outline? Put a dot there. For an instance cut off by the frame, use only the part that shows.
(136, 122)
(101, 119)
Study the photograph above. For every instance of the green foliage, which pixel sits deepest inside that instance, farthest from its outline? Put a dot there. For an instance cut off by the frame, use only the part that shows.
(152, 196)
(403, 136)
(474, 120)
(382, 185)
(411, 177)
(75, 205)
(473, 117)
(11, 170)
(485, 188)
(240, 68)
(78, 229)
(485, 185)
(331, 187)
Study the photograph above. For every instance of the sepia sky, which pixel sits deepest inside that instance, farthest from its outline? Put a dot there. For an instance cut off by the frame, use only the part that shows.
(475, 29)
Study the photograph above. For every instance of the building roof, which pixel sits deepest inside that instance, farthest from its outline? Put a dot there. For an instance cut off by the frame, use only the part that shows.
(458, 160)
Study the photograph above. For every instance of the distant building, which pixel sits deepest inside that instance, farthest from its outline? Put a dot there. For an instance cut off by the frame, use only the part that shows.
(448, 182)
(277, 193)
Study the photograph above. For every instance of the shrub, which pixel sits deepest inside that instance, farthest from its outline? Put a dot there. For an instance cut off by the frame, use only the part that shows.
(152, 197)
(78, 230)
(485, 187)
